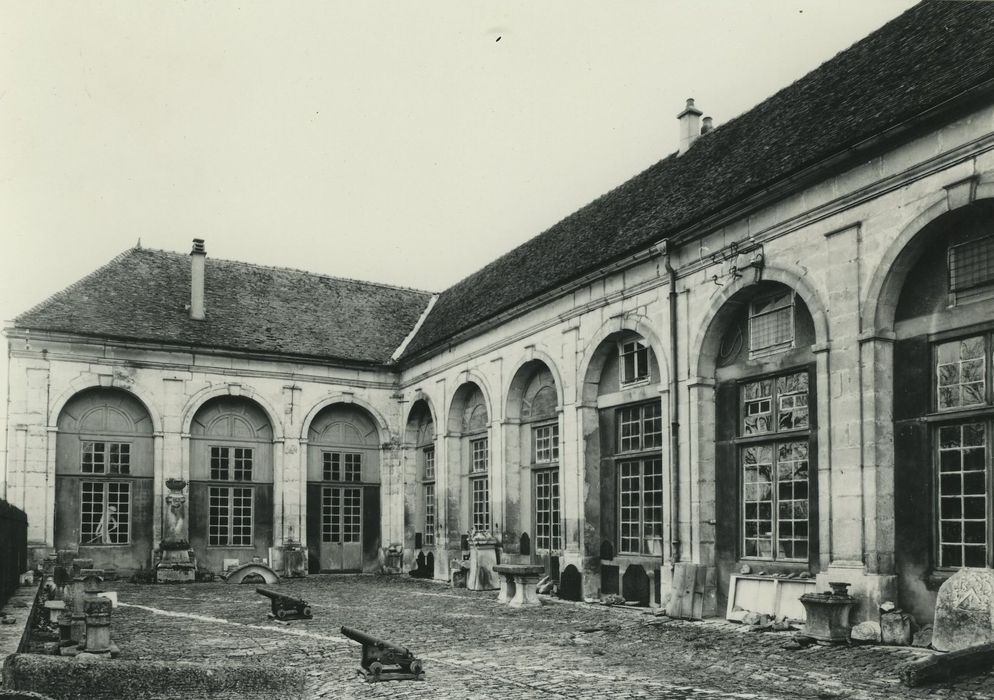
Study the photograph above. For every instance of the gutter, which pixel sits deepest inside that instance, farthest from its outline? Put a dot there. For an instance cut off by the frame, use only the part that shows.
(674, 406)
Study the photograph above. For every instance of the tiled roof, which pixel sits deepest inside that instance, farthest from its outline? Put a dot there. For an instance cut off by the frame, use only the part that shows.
(929, 55)
(142, 295)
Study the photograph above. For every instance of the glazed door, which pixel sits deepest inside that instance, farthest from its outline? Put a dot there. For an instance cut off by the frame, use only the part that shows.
(341, 528)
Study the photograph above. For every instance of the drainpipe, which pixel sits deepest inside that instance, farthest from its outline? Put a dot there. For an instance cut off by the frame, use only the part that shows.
(675, 544)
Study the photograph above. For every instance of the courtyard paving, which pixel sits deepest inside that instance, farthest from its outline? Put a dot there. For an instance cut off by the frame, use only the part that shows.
(473, 647)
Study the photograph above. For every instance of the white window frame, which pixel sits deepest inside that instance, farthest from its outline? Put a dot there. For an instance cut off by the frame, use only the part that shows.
(545, 443)
(224, 535)
(640, 523)
(550, 540)
(639, 352)
(110, 526)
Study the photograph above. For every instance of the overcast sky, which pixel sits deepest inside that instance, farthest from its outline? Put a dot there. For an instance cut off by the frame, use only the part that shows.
(401, 142)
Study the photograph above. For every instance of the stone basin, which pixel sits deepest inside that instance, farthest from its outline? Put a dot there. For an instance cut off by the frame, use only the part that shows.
(518, 583)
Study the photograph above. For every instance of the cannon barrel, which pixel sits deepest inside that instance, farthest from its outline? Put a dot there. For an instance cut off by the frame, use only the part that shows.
(276, 595)
(370, 640)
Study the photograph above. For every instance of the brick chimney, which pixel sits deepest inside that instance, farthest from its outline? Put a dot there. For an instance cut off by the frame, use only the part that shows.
(690, 125)
(197, 257)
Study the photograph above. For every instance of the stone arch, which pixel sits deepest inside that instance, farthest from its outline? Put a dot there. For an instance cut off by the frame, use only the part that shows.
(709, 329)
(532, 478)
(381, 424)
(104, 468)
(195, 402)
(889, 277)
(457, 405)
(515, 388)
(592, 360)
(421, 409)
(232, 477)
(85, 382)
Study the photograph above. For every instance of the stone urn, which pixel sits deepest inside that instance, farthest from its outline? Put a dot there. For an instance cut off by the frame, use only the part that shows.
(827, 614)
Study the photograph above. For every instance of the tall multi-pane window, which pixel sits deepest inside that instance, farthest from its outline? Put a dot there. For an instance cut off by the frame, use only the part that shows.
(428, 493)
(963, 411)
(640, 479)
(341, 514)
(641, 498)
(479, 484)
(105, 513)
(230, 518)
(545, 459)
(773, 444)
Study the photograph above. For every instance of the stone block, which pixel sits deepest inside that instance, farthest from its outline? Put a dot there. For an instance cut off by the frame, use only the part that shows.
(868, 632)
(964, 610)
(895, 628)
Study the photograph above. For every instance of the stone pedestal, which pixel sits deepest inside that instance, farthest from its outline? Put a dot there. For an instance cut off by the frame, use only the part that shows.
(294, 559)
(827, 615)
(518, 583)
(97, 610)
(482, 559)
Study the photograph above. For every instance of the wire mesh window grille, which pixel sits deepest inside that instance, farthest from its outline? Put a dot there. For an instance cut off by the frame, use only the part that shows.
(105, 512)
(771, 324)
(547, 533)
(634, 363)
(231, 463)
(105, 457)
(230, 516)
(545, 443)
(640, 427)
(971, 264)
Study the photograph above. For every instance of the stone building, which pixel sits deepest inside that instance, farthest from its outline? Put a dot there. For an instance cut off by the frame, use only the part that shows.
(771, 348)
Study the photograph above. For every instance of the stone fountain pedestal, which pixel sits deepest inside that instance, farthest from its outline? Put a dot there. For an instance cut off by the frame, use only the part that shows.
(176, 562)
(827, 614)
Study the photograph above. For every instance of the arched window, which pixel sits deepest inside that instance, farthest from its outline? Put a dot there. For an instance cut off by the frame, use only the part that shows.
(540, 418)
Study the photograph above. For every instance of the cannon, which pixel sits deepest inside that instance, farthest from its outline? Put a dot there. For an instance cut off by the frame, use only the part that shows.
(285, 607)
(383, 661)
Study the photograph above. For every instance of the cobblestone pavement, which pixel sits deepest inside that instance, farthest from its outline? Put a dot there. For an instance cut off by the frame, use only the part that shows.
(472, 647)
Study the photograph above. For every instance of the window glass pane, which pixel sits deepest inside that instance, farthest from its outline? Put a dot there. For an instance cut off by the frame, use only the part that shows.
(960, 373)
(757, 485)
(792, 401)
(962, 459)
(481, 504)
(634, 362)
(480, 455)
(429, 509)
(429, 463)
(352, 463)
(93, 458)
(630, 495)
(219, 463)
(242, 463)
(547, 510)
(757, 401)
